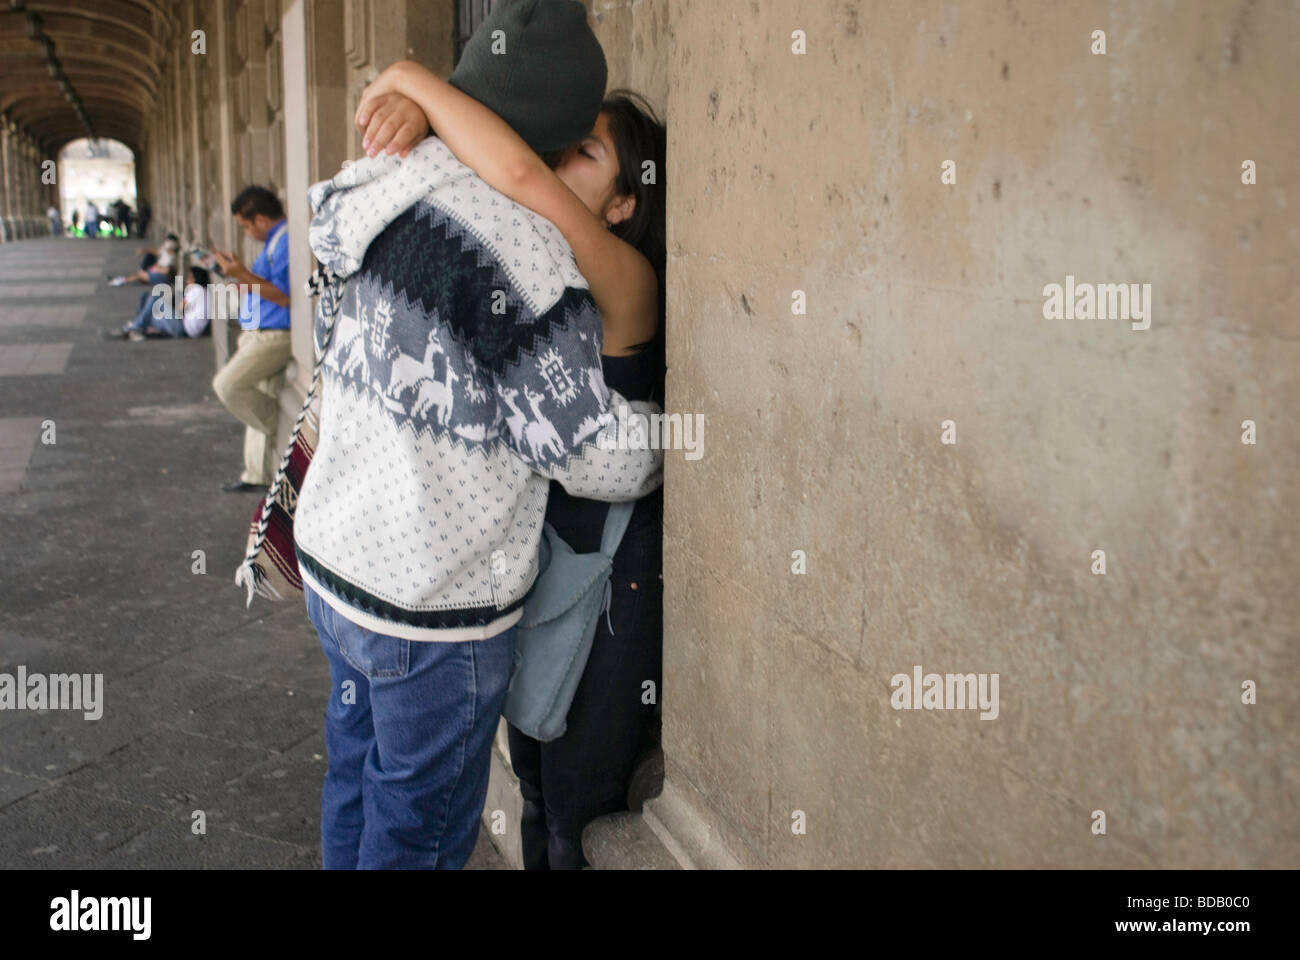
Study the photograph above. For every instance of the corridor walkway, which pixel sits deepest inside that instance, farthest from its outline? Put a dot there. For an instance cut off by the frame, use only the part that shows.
(207, 706)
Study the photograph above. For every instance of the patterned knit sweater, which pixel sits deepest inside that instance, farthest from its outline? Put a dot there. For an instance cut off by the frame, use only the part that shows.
(463, 374)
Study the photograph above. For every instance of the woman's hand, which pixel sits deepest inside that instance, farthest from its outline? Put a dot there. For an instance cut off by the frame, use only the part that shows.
(387, 119)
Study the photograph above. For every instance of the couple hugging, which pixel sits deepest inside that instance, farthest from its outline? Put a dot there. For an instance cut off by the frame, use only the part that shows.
(499, 291)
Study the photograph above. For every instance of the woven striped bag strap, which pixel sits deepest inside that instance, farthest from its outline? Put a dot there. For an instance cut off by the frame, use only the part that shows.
(326, 285)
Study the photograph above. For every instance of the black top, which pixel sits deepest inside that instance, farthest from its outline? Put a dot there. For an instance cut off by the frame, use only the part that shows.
(580, 522)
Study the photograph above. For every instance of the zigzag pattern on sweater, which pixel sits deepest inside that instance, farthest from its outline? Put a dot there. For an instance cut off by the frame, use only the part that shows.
(467, 287)
(482, 374)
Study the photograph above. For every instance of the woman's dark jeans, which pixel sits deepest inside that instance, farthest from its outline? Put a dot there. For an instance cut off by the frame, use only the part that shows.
(567, 783)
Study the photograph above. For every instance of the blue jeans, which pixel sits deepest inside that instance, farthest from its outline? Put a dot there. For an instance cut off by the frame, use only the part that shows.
(143, 316)
(168, 322)
(409, 730)
(172, 321)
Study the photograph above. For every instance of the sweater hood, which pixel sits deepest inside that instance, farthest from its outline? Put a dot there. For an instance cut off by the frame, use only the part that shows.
(367, 195)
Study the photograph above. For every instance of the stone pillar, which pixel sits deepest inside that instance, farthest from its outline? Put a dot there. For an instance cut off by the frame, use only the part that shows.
(182, 133)
(26, 191)
(221, 108)
(1120, 689)
(6, 180)
(297, 110)
(50, 189)
(227, 151)
(191, 66)
(332, 46)
(273, 90)
(258, 95)
(13, 182)
(316, 141)
(16, 211)
(39, 222)
(148, 177)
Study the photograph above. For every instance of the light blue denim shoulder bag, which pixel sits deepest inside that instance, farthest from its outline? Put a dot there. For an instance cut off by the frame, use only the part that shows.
(553, 637)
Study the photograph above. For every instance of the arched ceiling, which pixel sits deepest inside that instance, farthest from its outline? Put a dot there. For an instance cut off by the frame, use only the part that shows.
(77, 68)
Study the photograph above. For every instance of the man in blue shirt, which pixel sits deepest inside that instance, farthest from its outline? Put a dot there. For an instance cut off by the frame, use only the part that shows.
(249, 383)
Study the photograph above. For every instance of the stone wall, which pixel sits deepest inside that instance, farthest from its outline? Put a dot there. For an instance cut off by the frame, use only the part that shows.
(1120, 693)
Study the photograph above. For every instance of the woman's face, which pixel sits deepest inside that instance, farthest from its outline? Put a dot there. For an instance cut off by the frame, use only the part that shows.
(589, 170)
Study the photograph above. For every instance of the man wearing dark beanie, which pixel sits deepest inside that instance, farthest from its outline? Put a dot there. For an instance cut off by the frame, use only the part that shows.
(462, 374)
(539, 67)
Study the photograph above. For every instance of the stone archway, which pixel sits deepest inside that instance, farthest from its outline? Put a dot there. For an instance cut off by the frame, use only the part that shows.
(72, 70)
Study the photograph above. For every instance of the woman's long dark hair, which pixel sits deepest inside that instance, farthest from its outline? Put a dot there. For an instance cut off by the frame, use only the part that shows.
(639, 136)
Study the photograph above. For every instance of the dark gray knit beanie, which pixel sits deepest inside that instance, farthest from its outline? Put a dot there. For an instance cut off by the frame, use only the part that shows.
(550, 81)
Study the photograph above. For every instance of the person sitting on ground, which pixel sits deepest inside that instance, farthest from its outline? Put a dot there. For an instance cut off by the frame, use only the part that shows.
(161, 276)
(163, 321)
(153, 265)
(194, 322)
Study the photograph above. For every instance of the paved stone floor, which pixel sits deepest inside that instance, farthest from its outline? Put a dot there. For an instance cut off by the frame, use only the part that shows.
(206, 705)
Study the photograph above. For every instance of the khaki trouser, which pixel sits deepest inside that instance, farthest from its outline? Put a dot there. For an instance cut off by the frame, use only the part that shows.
(249, 385)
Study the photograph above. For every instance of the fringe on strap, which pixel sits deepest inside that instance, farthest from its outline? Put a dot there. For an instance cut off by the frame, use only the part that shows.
(251, 575)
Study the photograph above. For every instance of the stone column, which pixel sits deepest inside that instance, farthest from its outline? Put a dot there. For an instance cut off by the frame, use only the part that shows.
(221, 225)
(181, 131)
(259, 131)
(13, 211)
(6, 176)
(296, 100)
(50, 188)
(273, 88)
(190, 65)
(226, 112)
(26, 194)
(40, 224)
(316, 143)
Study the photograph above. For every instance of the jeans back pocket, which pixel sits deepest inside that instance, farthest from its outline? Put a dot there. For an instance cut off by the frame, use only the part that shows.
(374, 655)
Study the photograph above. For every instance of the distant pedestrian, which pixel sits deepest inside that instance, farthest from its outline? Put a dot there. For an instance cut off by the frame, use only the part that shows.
(142, 221)
(92, 219)
(56, 221)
